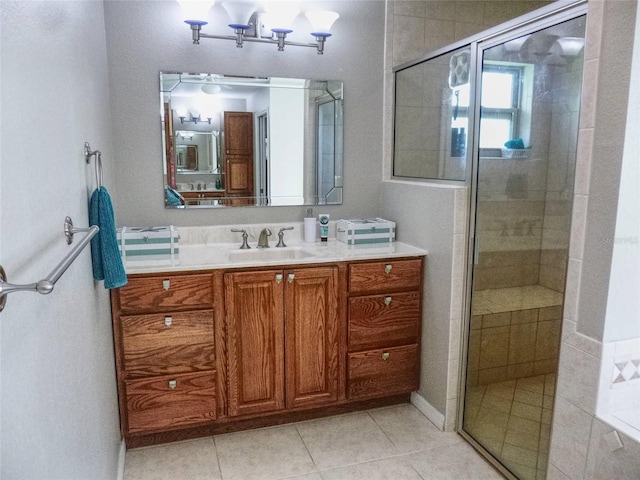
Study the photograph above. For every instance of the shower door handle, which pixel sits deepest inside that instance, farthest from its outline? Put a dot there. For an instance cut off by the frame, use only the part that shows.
(476, 249)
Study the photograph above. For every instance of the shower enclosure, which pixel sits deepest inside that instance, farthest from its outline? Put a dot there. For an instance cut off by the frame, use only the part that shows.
(501, 113)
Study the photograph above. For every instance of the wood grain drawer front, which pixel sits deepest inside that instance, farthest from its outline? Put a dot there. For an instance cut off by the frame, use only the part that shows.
(384, 276)
(169, 344)
(377, 321)
(383, 372)
(171, 401)
(166, 292)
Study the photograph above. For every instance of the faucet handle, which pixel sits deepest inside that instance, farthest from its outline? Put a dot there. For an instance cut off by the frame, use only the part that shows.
(245, 236)
(281, 236)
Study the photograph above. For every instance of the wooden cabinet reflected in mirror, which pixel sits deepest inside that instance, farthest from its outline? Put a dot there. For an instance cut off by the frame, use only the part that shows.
(238, 141)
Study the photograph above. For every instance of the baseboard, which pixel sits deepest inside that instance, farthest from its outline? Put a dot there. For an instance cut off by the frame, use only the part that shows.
(121, 457)
(428, 410)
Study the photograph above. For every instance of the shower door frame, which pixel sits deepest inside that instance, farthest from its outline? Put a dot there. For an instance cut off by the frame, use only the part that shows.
(534, 21)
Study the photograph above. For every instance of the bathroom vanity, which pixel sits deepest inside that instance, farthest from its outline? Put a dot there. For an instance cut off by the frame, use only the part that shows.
(213, 344)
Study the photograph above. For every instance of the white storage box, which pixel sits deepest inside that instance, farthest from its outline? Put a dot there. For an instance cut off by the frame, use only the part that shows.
(365, 230)
(148, 243)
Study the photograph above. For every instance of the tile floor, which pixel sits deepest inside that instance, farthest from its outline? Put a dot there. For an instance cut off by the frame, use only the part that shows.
(392, 443)
(512, 420)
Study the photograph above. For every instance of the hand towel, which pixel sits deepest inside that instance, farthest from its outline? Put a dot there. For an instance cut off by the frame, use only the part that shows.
(105, 257)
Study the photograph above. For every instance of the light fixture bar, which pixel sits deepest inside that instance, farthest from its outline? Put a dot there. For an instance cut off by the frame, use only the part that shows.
(241, 35)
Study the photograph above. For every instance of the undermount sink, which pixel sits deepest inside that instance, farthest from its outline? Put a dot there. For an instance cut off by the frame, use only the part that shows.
(267, 254)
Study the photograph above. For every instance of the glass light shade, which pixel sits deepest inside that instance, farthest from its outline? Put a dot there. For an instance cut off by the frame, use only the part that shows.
(321, 21)
(196, 11)
(240, 12)
(211, 89)
(280, 16)
(570, 46)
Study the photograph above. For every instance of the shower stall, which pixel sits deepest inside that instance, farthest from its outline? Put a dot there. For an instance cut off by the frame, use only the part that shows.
(501, 112)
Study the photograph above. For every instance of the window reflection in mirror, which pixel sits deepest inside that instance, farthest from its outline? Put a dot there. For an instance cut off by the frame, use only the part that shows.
(231, 141)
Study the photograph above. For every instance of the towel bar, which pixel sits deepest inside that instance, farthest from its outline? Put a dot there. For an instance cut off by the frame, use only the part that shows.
(46, 285)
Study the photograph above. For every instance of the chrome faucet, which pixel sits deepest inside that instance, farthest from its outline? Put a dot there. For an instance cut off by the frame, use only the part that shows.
(263, 241)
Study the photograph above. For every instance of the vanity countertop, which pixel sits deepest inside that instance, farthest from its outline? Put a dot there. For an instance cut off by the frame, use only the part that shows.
(206, 256)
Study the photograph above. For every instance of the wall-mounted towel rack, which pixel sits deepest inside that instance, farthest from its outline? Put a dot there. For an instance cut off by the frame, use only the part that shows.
(88, 153)
(46, 285)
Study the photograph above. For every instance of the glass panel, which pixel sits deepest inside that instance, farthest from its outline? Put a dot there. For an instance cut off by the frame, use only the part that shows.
(431, 118)
(523, 213)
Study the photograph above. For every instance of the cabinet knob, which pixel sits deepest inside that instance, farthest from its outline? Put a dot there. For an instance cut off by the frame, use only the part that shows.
(166, 284)
(278, 278)
(291, 277)
(168, 321)
(387, 268)
(173, 384)
(385, 355)
(387, 301)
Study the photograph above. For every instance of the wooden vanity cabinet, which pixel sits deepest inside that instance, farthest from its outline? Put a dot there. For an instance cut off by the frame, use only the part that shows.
(217, 351)
(165, 352)
(282, 339)
(384, 318)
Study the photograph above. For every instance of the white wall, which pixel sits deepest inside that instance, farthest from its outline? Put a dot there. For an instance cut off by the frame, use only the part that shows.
(144, 38)
(59, 404)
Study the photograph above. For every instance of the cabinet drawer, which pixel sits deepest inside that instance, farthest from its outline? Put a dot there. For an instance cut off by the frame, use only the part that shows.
(169, 344)
(162, 292)
(384, 320)
(384, 276)
(170, 401)
(371, 375)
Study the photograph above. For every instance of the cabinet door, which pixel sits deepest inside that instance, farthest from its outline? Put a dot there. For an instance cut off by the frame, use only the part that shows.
(255, 336)
(238, 153)
(311, 336)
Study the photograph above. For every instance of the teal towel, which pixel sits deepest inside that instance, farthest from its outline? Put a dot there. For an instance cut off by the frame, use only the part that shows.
(515, 144)
(105, 256)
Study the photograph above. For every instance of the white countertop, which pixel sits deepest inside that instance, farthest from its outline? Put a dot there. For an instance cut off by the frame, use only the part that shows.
(206, 256)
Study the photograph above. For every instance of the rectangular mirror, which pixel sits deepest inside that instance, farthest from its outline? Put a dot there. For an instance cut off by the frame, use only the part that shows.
(259, 141)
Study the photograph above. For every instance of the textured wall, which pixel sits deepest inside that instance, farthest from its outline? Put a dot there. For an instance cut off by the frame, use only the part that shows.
(59, 404)
(144, 38)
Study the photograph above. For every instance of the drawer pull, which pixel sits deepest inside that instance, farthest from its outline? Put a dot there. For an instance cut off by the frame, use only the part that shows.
(168, 321)
(166, 284)
(385, 355)
(387, 301)
(173, 384)
(387, 268)
(278, 278)
(290, 277)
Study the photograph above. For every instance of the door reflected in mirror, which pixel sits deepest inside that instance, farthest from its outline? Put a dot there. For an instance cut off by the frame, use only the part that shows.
(239, 141)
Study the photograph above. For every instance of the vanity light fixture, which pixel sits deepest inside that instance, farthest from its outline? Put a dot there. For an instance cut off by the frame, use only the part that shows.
(249, 25)
(193, 119)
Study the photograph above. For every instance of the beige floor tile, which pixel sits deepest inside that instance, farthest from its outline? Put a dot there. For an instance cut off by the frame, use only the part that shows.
(519, 456)
(263, 454)
(459, 462)
(345, 440)
(195, 460)
(530, 398)
(409, 430)
(397, 468)
(499, 404)
(531, 384)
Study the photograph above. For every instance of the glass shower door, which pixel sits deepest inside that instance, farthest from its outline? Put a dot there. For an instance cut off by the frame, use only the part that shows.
(529, 107)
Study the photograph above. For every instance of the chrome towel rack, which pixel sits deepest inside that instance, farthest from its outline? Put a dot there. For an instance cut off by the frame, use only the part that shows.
(46, 285)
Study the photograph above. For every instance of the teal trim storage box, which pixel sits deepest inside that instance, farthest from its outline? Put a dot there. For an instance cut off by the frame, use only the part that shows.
(363, 231)
(148, 243)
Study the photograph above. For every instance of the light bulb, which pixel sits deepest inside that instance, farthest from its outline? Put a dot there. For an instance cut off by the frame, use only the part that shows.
(281, 15)
(240, 12)
(321, 22)
(196, 11)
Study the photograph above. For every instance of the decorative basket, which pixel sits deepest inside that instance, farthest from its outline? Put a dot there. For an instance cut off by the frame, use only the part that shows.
(515, 153)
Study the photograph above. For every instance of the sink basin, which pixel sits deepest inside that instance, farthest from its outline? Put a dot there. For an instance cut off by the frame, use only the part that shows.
(269, 254)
